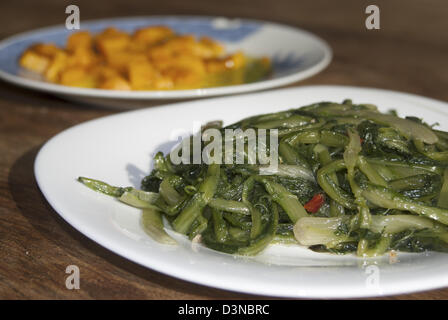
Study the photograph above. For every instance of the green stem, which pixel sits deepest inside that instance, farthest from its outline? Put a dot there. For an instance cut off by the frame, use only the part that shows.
(194, 208)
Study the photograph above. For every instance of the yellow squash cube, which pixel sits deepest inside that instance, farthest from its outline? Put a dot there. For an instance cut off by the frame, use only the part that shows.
(152, 35)
(82, 39)
(58, 63)
(115, 83)
(77, 77)
(35, 62)
(141, 75)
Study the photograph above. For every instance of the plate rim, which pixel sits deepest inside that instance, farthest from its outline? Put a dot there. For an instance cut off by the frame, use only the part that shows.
(167, 94)
(428, 283)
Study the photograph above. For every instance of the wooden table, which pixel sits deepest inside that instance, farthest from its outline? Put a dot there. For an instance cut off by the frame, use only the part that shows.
(409, 53)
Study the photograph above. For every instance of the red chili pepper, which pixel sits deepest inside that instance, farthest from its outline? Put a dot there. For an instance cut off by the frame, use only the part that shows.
(315, 203)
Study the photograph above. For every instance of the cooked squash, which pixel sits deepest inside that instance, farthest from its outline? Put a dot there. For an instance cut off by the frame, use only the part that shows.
(33, 61)
(151, 58)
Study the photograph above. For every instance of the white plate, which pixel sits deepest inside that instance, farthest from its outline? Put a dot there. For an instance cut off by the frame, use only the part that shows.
(119, 149)
(296, 54)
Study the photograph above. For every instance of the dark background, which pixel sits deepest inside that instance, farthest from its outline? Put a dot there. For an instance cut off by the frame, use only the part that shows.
(408, 54)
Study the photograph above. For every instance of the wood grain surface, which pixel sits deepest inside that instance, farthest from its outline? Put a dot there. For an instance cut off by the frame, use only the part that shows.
(408, 54)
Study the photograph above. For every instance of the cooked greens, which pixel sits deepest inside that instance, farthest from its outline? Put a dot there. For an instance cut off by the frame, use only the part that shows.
(349, 179)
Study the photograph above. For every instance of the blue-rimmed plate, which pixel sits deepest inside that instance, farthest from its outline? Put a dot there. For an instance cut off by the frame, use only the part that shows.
(296, 54)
